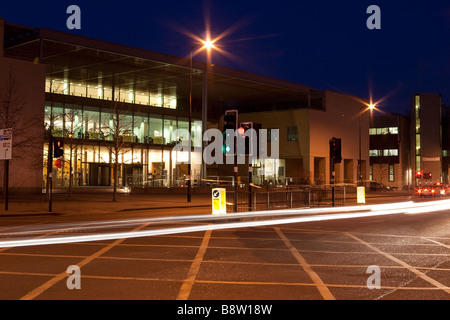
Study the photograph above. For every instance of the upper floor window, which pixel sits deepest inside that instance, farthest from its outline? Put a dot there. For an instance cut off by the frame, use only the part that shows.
(381, 131)
(292, 133)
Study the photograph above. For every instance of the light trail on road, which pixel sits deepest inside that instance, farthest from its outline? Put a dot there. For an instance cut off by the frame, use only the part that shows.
(209, 222)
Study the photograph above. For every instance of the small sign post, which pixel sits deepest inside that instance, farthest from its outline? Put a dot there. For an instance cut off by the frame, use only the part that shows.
(6, 155)
(219, 204)
(361, 195)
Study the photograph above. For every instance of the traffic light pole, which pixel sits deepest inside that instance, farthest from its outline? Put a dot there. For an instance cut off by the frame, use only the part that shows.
(250, 178)
(50, 175)
(236, 169)
(6, 183)
(190, 130)
(332, 181)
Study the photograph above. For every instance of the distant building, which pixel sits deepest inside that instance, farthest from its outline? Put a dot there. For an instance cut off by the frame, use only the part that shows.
(390, 150)
(304, 134)
(428, 131)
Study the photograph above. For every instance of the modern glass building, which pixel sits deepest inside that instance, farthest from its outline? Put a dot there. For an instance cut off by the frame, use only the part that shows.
(110, 103)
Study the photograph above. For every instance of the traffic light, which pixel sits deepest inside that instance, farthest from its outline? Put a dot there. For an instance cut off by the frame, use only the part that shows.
(229, 130)
(335, 150)
(248, 132)
(419, 174)
(58, 148)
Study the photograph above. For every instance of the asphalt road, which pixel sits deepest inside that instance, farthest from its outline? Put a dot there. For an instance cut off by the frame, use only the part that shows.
(322, 260)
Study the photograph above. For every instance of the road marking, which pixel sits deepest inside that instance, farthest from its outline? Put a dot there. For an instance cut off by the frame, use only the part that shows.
(323, 289)
(50, 283)
(300, 284)
(438, 243)
(187, 285)
(404, 264)
(41, 255)
(221, 282)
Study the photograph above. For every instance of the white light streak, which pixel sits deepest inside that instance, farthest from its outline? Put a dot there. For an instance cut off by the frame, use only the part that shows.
(300, 216)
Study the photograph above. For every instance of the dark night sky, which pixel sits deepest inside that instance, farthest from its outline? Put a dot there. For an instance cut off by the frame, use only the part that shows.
(322, 44)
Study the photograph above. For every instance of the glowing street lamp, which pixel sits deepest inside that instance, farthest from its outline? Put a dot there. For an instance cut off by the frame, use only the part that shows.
(362, 109)
(207, 44)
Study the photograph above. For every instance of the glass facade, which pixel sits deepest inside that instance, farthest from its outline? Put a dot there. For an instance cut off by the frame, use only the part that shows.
(144, 158)
(123, 93)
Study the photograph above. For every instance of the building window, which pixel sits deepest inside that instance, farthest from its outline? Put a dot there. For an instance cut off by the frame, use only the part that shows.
(371, 172)
(382, 131)
(374, 153)
(390, 152)
(417, 144)
(391, 173)
(293, 133)
(393, 130)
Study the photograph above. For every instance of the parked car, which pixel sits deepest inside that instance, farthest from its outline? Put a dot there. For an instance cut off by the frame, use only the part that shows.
(378, 186)
(441, 189)
(428, 190)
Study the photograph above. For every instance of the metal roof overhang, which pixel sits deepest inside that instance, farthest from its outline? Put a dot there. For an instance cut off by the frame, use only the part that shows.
(84, 60)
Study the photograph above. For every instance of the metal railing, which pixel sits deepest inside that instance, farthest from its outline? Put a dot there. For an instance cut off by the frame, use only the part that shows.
(285, 198)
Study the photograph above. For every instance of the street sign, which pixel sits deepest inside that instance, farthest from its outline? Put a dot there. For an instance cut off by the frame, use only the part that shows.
(219, 205)
(360, 195)
(6, 144)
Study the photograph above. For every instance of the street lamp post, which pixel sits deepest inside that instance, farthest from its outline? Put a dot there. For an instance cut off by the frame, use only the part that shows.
(371, 107)
(359, 159)
(207, 44)
(190, 127)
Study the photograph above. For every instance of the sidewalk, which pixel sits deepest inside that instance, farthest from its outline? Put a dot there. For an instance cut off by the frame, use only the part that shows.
(79, 204)
(98, 203)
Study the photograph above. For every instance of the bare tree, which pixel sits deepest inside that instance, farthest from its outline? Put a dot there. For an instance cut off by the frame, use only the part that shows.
(117, 128)
(73, 126)
(50, 131)
(14, 115)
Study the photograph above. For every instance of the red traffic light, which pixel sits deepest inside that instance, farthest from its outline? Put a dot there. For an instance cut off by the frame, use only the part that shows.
(241, 130)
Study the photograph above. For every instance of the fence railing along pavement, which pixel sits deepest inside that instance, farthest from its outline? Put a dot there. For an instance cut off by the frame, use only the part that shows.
(285, 198)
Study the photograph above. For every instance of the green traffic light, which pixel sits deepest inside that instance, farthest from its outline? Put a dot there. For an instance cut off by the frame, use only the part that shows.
(226, 148)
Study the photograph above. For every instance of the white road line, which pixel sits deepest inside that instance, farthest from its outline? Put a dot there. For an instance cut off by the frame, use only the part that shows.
(404, 264)
(50, 283)
(321, 286)
(187, 285)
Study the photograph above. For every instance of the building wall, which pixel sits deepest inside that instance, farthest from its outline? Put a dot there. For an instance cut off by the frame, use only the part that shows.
(341, 120)
(26, 81)
(381, 173)
(308, 159)
(296, 151)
